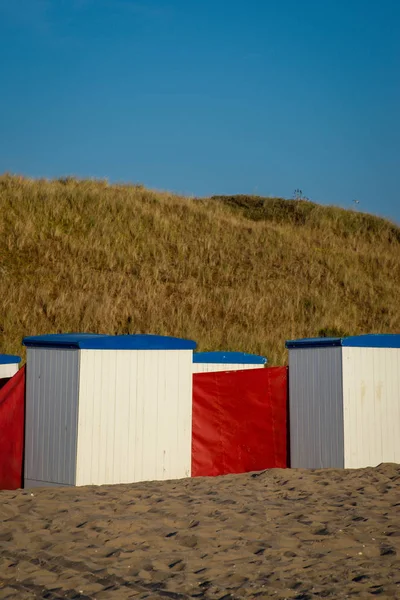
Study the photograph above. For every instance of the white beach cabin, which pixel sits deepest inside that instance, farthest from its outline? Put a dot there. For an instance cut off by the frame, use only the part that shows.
(9, 365)
(344, 401)
(107, 409)
(204, 362)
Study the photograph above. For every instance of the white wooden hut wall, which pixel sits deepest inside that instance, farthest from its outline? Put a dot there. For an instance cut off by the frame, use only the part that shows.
(371, 399)
(8, 365)
(135, 417)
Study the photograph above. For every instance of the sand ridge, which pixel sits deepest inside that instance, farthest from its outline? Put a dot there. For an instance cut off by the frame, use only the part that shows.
(278, 533)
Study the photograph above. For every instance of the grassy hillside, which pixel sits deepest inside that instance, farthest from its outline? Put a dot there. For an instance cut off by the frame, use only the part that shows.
(239, 272)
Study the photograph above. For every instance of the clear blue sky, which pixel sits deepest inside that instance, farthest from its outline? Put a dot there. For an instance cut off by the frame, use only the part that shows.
(207, 96)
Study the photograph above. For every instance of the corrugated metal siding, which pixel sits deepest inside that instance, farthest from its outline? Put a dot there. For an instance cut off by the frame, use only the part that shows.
(51, 415)
(316, 408)
(371, 390)
(8, 370)
(211, 367)
(32, 483)
(135, 416)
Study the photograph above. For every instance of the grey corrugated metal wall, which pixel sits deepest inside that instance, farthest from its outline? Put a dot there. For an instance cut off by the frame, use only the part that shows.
(316, 408)
(51, 416)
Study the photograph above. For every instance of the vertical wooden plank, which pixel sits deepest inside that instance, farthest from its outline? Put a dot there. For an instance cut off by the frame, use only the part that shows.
(384, 393)
(396, 404)
(86, 418)
(379, 428)
(108, 375)
(172, 379)
(131, 474)
(163, 418)
(97, 412)
(185, 424)
(150, 415)
(139, 421)
(122, 417)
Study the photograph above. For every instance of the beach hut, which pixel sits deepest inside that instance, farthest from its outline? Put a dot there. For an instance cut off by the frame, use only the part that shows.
(8, 367)
(107, 409)
(344, 401)
(205, 362)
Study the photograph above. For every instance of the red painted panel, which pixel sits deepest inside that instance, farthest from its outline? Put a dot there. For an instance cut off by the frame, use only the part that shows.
(12, 410)
(239, 421)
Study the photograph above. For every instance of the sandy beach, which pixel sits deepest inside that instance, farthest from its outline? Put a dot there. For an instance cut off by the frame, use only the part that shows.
(279, 533)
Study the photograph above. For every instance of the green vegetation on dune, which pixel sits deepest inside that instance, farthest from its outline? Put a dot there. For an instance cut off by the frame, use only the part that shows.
(302, 212)
(238, 272)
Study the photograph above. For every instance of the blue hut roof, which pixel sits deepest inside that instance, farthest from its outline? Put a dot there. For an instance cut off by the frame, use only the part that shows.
(93, 341)
(9, 359)
(370, 340)
(239, 358)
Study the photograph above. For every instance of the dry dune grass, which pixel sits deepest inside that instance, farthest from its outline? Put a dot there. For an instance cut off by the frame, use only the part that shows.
(237, 273)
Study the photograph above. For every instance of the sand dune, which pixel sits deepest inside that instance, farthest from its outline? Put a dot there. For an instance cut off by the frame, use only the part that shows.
(280, 534)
